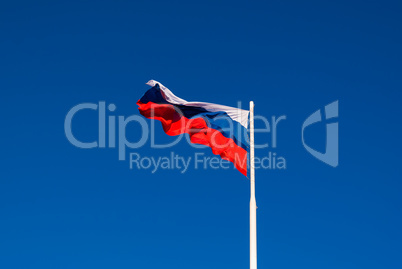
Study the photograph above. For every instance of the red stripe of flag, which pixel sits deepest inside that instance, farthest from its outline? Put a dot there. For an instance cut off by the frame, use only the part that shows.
(174, 123)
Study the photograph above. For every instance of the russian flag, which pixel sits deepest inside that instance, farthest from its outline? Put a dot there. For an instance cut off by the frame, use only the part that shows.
(222, 128)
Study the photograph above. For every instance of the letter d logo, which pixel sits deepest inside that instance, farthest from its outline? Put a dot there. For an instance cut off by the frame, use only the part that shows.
(330, 156)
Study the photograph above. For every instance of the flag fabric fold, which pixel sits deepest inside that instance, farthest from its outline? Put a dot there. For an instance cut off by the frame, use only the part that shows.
(222, 128)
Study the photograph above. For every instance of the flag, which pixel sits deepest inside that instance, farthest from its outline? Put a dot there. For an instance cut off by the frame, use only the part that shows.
(222, 128)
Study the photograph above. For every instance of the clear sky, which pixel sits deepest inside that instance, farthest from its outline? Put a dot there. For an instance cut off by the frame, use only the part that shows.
(66, 207)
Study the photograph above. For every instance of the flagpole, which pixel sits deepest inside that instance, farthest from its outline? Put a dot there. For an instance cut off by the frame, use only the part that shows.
(253, 205)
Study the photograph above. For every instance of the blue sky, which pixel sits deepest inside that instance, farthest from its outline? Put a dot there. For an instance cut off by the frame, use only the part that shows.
(65, 207)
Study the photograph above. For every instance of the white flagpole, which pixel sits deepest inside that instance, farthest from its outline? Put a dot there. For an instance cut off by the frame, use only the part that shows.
(253, 205)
